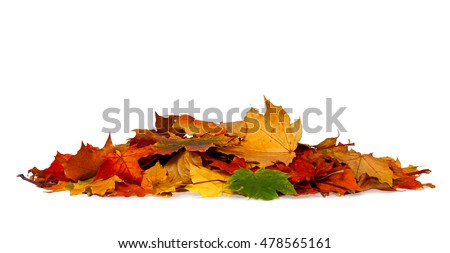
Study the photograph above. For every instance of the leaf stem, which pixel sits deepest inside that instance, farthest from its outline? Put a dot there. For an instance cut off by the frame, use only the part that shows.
(331, 174)
(210, 181)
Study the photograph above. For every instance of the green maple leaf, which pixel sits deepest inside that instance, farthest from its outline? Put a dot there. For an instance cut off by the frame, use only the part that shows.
(263, 184)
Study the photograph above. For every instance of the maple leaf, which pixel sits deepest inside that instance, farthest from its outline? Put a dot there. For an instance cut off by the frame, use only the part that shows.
(78, 187)
(157, 181)
(51, 175)
(91, 187)
(367, 182)
(321, 171)
(186, 124)
(183, 153)
(56, 170)
(165, 125)
(230, 166)
(112, 186)
(178, 167)
(124, 164)
(127, 190)
(195, 127)
(269, 138)
(263, 184)
(209, 183)
(144, 138)
(305, 188)
(364, 164)
(236, 128)
(101, 187)
(86, 162)
(171, 143)
(167, 146)
(302, 168)
(406, 178)
(327, 143)
(339, 181)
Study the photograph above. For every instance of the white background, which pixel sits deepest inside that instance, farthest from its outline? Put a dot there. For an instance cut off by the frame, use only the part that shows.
(63, 62)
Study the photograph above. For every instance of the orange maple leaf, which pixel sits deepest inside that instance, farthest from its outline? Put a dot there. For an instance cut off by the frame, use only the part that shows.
(86, 162)
(124, 164)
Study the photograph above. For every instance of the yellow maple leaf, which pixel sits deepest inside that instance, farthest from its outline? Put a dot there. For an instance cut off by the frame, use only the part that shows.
(365, 164)
(91, 187)
(269, 138)
(157, 180)
(209, 183)
(101, 187)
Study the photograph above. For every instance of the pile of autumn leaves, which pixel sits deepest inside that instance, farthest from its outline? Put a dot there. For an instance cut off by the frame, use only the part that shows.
(259, 157)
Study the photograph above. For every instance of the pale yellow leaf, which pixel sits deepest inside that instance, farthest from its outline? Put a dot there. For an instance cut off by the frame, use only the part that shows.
(209, 183)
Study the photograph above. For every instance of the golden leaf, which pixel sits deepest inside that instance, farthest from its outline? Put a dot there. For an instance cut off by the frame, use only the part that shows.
(269, 138)
(157, 180)
(209, 183)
